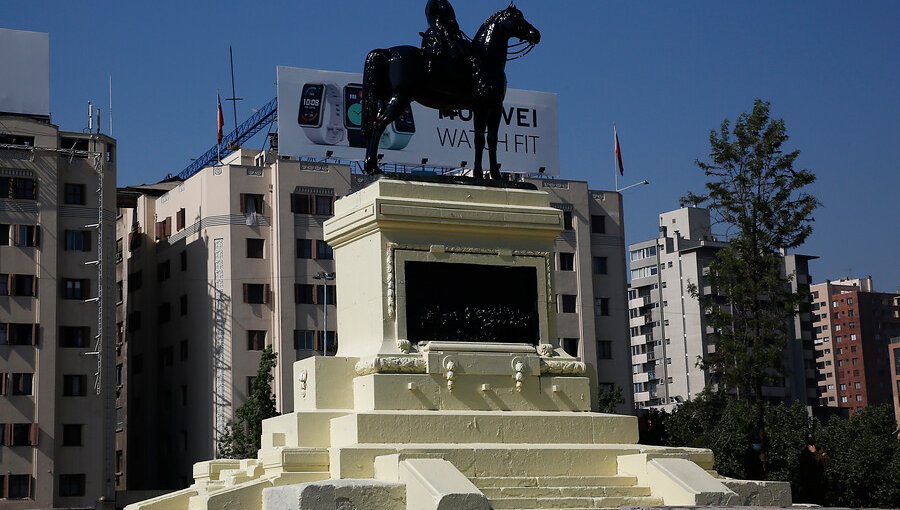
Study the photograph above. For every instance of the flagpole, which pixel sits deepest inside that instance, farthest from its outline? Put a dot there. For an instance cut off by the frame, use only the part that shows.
(615, 160)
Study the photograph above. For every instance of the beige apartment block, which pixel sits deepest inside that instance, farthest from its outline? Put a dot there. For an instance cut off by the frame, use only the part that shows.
(894, 355)
(668, 327)
(214, 268)
(57, 226)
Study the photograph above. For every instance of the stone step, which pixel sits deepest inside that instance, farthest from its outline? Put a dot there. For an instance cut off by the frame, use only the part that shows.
(572, 503)
(552, 481)
(560, 492)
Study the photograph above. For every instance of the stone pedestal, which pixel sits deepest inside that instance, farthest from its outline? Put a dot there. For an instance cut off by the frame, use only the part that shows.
(449, 389)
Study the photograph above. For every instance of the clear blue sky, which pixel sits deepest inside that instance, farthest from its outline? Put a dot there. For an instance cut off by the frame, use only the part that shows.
(666, 72)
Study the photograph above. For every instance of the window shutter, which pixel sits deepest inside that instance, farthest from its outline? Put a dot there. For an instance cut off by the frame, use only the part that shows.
(7, 434)
(34, 286)
(35, 434)
(86, 241)
(168, 224)
(5, 479)
(243, 203)
(36, 240)
(2, 388)
(245, 294)
(266, 294)
(35, 333)
(10, 290)
(293, 202)
(30, 485)
(16, 235)
(157, 231)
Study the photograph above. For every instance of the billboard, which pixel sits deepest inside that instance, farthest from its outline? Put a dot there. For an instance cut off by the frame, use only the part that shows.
(319, 111)
(25, 76)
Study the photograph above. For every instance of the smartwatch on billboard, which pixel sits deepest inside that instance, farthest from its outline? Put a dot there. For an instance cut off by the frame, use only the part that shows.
(398, 134)
(315, 99)
(353, 93)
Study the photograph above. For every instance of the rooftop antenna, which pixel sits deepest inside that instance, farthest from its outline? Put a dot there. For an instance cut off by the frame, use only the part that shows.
(234, 99)
(90, 117)
(110, 107)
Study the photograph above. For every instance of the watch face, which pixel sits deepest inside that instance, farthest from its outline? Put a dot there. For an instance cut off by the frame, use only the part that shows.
(404, 123)
(353, 94)
(311, 105)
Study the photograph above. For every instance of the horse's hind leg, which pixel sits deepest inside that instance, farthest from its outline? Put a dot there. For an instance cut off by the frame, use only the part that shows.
(478, 124)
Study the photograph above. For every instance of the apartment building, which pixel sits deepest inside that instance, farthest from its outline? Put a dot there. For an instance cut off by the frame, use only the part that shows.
(854, 326)
(57, 226)
(668, 328)
(894, 353)
(216, 267)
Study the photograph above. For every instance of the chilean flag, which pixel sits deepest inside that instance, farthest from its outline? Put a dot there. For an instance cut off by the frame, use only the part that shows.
(618, 151)
(221, 120)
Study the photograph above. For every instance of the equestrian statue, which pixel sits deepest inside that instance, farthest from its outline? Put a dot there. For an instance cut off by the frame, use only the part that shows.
(449, 72)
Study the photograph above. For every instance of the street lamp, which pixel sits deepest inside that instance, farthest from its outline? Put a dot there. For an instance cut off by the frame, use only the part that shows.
(632, 186)
(325, 277)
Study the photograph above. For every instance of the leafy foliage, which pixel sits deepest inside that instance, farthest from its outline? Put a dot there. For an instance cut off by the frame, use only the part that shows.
(241, 438)
(753, 189)
(610, 398)
(858, 460)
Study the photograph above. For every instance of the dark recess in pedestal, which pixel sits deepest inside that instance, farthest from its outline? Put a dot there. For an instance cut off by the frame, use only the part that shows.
(471, 303)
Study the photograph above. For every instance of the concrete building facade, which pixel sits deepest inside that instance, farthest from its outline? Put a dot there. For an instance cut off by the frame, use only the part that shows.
(57, 226)
(668, 328)
(894, 357)
(218, 266)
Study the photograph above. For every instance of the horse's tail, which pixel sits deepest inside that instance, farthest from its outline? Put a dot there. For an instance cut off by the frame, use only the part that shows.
(373, 80)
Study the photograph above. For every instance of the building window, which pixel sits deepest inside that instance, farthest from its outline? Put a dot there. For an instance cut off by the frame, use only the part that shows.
(163, 271)
(251, 203)
(255, 248)
(179, 219)
(120, 291)
(304, 249)
(18, 334)
(71, 486)
(78, 240)
(602, 306)
(566, 261)
(74, 336)
(323, 251)
(134, 321)
(22, 384)
(164, 229)
(598, 224)
(74, 194)
(25, 236)
(164, 313)
(18, 486)
(74, 385)
(72, 434)
(567, 303)
(324, 205)
(567, 221)
(321, 298)
(256, 339)
(304, 340)
(604, 349)
(135, 281)
(599, 265)
(19, 285)
(76, 288)
(256, 293)
(183, 304)
(570, 345)
(304, 294)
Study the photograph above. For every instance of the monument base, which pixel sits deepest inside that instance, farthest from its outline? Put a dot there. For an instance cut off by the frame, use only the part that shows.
(413, 414)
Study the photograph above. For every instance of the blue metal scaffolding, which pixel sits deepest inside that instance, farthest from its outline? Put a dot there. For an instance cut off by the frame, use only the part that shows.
(256, 123)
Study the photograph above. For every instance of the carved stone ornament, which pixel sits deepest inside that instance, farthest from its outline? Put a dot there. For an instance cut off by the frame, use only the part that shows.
(303, 377)
(412, 364)
(561, 367)
(545, 350)
(404, 345)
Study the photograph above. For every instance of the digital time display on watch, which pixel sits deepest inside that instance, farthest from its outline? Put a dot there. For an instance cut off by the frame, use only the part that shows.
(311, 105)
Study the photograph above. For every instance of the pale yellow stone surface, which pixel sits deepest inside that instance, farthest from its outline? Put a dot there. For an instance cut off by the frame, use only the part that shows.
(389, 425)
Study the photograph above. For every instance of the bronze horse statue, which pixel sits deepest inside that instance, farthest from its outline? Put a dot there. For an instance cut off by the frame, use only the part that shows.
(395, 77)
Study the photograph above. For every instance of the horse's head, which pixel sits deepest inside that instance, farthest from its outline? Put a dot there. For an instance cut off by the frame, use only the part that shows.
(517, 26)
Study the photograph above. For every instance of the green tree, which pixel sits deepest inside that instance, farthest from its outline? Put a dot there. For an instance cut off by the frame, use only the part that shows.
(609, 398)
(863, 453)
(754, 190)
(241, 438)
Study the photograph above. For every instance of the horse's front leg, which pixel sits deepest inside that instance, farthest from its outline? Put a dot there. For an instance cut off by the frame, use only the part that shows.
(493, 125)
(478, 121)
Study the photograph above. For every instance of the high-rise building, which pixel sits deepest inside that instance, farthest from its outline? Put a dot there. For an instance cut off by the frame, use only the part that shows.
(669, 328)
(57, 387)
(853, 330)
(217, 266)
